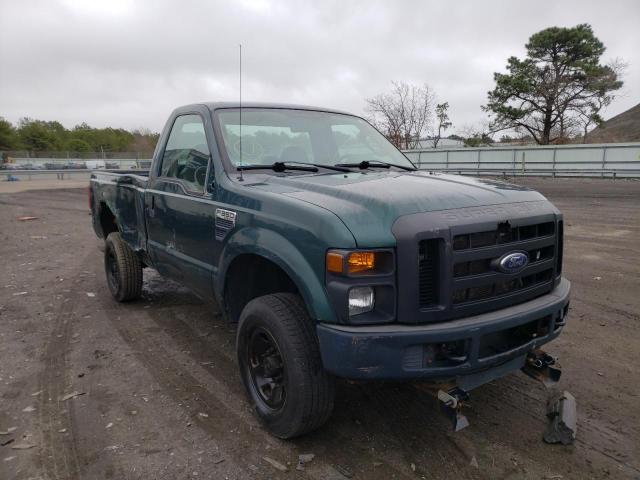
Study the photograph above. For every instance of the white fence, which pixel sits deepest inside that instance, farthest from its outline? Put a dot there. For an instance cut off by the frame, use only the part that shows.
(92, 163)
(591, 160)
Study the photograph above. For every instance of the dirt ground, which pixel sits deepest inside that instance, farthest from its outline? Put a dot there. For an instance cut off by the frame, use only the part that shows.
(159, 396)
(43, 184)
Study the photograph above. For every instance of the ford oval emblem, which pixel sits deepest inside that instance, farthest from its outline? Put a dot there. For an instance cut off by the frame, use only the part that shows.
(513, 262)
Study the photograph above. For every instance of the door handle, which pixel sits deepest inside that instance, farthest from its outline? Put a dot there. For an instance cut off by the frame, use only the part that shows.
(151, 212)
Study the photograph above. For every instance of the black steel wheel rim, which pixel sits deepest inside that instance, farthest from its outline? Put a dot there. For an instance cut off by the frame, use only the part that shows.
(266, 368)
(112, 270)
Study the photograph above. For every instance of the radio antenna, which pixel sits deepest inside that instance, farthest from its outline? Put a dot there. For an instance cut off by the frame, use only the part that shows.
(240, 82)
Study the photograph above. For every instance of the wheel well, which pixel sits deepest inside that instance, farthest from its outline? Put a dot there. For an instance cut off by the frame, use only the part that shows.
(107, 221)
(250, 276)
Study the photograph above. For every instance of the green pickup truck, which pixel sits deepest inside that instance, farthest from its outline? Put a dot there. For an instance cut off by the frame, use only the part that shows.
(337, 257)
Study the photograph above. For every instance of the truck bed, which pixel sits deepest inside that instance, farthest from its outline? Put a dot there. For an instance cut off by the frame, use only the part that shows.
(122, 194)
(139, 177)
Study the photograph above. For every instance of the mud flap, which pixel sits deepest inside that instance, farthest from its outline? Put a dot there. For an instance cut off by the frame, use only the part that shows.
(561, 412)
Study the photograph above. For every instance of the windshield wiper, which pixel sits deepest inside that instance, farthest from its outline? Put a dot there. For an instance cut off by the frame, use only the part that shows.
(374, 163)
(279, 167)
(302, 166)
(336, 168)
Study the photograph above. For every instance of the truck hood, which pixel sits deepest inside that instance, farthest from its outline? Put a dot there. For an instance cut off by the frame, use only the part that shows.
(370, 202)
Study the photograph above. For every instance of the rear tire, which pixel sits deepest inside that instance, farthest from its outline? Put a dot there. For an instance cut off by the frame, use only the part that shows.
(280, 365)
(123, 269)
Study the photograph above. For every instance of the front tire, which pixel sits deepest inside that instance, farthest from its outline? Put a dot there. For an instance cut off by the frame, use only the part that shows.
(123, 269)
(280, 365)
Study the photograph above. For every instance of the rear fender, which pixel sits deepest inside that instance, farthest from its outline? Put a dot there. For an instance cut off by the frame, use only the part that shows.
(127, 209)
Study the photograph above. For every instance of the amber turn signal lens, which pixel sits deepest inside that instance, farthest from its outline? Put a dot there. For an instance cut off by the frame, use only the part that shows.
(334, 262)
(361, 262)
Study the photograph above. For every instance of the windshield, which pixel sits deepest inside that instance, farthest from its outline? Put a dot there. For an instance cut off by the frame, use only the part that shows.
(282, 135)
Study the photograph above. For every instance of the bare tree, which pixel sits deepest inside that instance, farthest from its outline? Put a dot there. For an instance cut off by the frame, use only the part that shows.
(403, 115)
(442, 116)
(588, 113)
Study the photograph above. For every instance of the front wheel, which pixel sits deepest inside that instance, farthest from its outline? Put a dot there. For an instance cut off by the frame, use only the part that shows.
(280, 365)
(123, 269)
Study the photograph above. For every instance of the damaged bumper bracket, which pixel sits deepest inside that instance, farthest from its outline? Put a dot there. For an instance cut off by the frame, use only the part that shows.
(539, 365)
(450, 398)
(542, 367)
(561, 412)
(451, 406)
(561, 406)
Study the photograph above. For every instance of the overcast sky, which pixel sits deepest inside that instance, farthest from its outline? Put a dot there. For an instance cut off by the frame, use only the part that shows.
(127, 63)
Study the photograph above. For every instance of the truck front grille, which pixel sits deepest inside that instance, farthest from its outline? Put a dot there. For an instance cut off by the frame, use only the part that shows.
(473, 284)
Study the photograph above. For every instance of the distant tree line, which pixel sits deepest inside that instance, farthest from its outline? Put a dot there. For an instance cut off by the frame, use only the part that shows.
(51, 136)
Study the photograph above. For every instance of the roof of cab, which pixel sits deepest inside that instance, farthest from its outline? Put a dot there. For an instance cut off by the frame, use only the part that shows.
(220, 105)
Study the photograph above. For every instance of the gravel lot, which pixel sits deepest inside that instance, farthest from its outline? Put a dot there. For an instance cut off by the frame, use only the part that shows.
(160, 396)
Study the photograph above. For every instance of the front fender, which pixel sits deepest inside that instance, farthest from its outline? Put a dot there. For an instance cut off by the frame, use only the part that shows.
(279, 250)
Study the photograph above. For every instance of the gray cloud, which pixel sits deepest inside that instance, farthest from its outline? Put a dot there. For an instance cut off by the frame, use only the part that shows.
(128, 63)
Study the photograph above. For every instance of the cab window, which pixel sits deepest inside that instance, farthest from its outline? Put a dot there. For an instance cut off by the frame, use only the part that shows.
(186, 155)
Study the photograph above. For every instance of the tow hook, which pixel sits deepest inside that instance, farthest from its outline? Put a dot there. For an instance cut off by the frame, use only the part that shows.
(561, 406)
(451, 405)
(451, 399)
(542, 367)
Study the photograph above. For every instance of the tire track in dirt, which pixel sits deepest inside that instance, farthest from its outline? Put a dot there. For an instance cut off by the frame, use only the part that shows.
(178, 384)
(513, 392)
(59, 455)
(212, 341)
(611, 309)
(204, 336)
(412, 421)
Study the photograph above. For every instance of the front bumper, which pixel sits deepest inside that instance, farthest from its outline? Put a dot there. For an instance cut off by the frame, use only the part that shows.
(493, 343)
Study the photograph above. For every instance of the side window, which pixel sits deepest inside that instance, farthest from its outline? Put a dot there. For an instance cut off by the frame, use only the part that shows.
(186, 155)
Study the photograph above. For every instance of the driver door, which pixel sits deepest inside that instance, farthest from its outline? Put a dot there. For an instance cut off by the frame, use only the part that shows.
(179, 210)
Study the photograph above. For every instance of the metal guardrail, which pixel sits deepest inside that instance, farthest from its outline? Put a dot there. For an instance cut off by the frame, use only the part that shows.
(72, 156)
(50, 163)
(62, 174)
(591, 160)
(627, 173)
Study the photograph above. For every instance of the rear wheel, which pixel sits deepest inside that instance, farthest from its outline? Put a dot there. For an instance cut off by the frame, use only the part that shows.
(123, 269)
(281, 367)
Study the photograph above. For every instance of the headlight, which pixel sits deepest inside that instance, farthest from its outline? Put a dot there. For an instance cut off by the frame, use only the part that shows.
(357, 263)
(361, 300)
